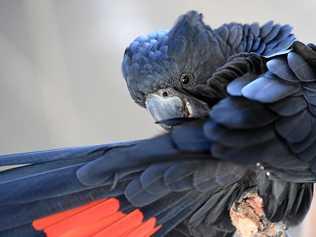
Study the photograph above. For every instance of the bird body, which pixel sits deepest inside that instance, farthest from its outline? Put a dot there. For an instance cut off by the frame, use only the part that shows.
(238, 106)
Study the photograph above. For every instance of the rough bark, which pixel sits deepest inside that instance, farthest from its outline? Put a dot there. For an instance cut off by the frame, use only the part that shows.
(248, 217)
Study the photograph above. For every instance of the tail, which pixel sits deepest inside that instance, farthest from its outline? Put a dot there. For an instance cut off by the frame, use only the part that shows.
(139, 188)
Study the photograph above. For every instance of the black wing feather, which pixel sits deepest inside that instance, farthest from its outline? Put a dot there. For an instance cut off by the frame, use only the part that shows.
(270, 102)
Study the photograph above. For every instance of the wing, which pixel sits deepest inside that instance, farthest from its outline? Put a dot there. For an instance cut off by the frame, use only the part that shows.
(270, 118)
(127, 189)
(268, 121)
(265, 40)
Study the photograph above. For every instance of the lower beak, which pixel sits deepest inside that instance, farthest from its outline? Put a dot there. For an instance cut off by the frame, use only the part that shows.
(169, 107)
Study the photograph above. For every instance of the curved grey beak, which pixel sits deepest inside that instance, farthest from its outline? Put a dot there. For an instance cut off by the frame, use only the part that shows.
(170, 107)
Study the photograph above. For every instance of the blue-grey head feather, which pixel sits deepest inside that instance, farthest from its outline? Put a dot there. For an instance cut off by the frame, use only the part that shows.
(156, 61)
(145, 63)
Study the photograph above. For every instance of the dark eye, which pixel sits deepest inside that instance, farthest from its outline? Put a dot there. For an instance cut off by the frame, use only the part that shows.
(165, 94)
(185, 78)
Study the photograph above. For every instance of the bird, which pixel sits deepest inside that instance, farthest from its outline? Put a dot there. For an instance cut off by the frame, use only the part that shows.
(238, 107)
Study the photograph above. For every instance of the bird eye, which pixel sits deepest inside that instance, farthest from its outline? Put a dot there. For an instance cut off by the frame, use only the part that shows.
(185, 78)
(165, 94)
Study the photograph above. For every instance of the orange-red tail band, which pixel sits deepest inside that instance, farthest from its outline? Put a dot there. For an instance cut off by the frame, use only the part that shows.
(101, 218)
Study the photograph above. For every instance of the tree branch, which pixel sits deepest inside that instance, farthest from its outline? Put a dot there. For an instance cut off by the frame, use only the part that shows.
(248, 217)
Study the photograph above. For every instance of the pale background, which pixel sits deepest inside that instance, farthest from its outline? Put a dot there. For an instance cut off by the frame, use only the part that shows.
(60, 79)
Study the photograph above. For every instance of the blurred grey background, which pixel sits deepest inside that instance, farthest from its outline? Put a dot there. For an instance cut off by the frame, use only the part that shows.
(60, 78)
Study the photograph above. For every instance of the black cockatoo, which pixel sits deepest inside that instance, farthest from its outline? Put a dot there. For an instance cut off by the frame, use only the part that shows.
(238, 104)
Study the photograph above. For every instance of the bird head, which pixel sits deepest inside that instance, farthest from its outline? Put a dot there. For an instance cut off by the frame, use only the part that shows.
(164, 70)
(171, 73)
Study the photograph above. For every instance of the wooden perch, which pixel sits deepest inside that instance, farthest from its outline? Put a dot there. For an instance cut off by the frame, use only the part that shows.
(248, 217)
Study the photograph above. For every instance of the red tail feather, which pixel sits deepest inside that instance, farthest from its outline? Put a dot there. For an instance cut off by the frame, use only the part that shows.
(97, 219)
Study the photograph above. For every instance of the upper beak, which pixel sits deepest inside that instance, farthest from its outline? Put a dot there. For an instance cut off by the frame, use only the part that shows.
(170, 107)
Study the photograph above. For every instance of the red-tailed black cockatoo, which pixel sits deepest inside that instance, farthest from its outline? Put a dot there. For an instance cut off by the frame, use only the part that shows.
(238, 104)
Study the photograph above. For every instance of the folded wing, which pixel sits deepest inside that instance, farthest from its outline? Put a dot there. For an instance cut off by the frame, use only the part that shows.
(127, 189)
